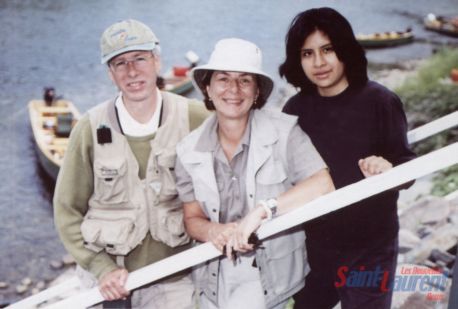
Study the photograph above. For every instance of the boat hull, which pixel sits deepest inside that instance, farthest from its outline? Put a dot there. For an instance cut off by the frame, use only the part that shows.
(177, 84)
(441, 24)
(47, 123)
(380, 43)
(50, 167)
(453, 33)
(183, 88)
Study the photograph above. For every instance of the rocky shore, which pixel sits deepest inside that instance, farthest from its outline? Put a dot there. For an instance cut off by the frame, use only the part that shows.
(28, 286)
(427, 251)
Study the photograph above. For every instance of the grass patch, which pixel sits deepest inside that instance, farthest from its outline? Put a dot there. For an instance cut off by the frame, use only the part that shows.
(430, 95)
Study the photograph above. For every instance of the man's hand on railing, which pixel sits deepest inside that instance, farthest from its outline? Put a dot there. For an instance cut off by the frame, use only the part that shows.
(374, 165)
(112, 284)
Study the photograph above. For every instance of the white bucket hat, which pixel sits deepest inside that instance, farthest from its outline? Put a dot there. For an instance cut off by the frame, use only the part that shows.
(234, 55)
(124, 36)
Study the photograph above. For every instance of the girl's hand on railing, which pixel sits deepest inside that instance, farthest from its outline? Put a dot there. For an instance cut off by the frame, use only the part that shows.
(374, 165)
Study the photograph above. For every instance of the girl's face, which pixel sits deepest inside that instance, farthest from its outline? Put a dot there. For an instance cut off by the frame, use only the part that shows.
(321, 65)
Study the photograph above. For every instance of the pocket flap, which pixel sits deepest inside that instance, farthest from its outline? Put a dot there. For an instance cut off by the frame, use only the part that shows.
(271, 174)
(285, 244)
(170, 229)
(90, 231)
(175, 223)
(105, 228)
(106, 233)
(112, 170)
(166, 160)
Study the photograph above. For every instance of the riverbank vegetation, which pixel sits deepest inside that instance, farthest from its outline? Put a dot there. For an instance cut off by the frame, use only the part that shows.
(428, 95)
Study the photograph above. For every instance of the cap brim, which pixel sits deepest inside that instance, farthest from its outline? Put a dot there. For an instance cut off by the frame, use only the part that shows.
(148, 46)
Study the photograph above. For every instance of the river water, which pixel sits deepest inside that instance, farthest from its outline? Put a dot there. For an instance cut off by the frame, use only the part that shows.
(55, 43)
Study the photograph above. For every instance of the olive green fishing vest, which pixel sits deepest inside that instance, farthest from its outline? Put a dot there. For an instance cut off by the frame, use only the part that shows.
(123, 207)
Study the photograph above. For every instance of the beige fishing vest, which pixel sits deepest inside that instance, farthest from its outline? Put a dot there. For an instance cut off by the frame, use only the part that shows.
(123, 208)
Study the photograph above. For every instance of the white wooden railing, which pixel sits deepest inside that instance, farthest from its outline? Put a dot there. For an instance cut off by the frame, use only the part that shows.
(424, 165)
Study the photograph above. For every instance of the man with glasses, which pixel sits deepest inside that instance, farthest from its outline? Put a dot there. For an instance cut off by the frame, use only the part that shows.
(116, 205)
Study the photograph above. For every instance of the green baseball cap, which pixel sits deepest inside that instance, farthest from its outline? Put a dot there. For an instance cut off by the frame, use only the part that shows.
(125, 36)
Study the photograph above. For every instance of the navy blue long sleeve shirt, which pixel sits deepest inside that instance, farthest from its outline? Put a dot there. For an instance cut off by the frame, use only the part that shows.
(355, 124)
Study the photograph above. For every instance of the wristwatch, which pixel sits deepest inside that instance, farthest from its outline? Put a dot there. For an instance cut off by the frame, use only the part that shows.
(270, 207)
(272, 204)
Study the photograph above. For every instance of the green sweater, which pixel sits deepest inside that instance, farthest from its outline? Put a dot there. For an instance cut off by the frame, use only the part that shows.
(75, 185)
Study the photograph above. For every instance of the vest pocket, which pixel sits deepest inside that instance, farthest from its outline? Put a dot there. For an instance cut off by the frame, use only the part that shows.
(200, 274)
(170, 228)
(270, 180)
(166, 164)
(110, 182)
(111, 230)
(272, 173)
(288, 250)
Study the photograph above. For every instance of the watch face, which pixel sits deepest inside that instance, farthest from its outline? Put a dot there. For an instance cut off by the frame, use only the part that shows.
(272, 204)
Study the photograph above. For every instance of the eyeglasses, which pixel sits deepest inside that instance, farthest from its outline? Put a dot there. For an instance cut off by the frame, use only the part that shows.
(243, 82)
(122, 65)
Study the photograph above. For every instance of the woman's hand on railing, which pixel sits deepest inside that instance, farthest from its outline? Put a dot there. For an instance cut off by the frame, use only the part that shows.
(219, 234)
(249, 224)
(374, 165)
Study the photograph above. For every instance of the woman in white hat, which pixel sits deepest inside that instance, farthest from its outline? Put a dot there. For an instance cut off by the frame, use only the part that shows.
(241, 166)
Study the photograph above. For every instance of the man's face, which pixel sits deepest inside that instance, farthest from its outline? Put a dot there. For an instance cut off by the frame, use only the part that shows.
(135, 74)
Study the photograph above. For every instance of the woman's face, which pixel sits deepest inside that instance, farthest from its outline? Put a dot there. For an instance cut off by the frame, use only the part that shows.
(321, 65)
(233, 93)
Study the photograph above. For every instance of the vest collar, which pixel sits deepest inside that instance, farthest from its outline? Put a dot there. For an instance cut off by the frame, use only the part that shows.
(262, 132)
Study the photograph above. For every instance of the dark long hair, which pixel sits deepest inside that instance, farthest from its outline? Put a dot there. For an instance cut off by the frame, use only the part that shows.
(339, 31)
